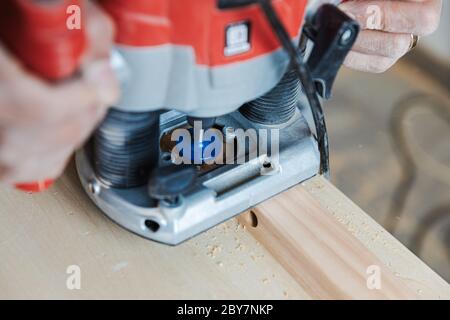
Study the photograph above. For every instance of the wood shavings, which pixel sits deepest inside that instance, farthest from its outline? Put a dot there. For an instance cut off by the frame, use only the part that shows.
(213, 250)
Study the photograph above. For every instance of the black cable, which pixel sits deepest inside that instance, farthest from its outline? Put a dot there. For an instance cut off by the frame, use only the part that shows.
(447, 242)
(307, 81)
(409, 172)
(430, 220)
(404, 154)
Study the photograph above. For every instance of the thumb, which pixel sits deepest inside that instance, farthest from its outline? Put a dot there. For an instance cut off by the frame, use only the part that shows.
(100, 31)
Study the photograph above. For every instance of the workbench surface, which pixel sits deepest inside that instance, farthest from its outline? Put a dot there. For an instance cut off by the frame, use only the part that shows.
(42, 235)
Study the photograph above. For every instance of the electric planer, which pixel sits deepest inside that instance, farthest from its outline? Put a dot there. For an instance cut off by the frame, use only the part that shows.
(220, 107)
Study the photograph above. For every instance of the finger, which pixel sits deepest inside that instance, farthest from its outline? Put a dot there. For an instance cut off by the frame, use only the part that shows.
(79, 131)
(97, 87)
(9, 66)
(100, 32)
(29, 102)
(36, 168)
(96, 66)
(420, 17)
(392, 45)
(368, 63)
(46, 140)
(40, 170)
(69, 134)
(26, 100)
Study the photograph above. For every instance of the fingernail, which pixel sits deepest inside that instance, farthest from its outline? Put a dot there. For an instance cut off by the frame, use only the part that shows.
(102, 77)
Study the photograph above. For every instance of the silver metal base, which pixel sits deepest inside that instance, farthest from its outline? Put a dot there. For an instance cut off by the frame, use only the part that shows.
(218, 195)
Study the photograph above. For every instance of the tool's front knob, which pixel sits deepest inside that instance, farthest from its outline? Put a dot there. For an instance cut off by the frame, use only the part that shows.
(169, 182)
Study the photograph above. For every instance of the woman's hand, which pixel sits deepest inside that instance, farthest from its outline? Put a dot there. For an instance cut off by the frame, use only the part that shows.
(387, 27)
(42, 124)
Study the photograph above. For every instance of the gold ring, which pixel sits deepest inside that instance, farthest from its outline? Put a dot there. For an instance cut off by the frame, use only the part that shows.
(414, 42)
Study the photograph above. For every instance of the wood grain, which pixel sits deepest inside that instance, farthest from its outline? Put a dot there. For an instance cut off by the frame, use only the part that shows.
(326, 254)
(42, 234)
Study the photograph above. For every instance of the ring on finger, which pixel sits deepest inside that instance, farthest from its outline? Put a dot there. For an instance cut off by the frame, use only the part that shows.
(414, 42)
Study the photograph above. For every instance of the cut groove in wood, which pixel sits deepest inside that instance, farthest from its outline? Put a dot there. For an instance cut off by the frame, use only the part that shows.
(319, 252)
(252, 219)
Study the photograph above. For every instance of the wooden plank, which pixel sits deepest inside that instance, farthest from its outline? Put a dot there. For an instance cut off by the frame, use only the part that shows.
(42, 234)
(331, 247)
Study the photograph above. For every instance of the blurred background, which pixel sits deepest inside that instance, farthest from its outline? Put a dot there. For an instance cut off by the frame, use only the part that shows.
(390, 146)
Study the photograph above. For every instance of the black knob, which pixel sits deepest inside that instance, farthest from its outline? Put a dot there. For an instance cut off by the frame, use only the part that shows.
(169, 182)
(206, 123)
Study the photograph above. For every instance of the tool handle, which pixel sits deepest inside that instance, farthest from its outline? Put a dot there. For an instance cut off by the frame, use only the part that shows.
(39, 34)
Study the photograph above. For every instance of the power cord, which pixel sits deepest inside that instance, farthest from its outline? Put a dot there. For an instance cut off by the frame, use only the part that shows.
(404, 150)
(306, 79)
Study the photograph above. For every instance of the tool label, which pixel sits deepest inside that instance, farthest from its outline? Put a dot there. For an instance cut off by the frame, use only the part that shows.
(237, 38)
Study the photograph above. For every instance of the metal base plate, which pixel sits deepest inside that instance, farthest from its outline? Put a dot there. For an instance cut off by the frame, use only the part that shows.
(218, 195)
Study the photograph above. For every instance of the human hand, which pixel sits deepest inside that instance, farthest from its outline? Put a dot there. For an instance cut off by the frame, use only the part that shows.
(41, 124)
(387, 27)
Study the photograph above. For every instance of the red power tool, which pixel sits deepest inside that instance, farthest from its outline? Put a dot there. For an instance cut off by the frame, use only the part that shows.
(44, 43)
(225, 64)
(228, 64)
(47, 46)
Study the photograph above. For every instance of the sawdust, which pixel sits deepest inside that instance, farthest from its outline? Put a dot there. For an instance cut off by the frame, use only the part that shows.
(213, 250)
(119, 266)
